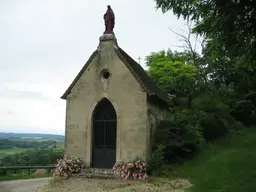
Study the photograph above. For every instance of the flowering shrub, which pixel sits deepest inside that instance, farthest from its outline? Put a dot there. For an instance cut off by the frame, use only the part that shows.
(67, 166)
(136, 170)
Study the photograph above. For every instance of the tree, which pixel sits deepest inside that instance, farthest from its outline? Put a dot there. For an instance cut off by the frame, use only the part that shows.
(201, 109)
(229, 26)
(229, 31)
(173, 72)
(34, 157)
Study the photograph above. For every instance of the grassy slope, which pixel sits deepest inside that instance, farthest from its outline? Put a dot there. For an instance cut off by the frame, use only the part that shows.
(228, 165)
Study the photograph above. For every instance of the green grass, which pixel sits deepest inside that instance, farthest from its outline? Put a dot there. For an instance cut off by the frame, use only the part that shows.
(228, 165)
(5, 152)
(17, 177)
(60, 145)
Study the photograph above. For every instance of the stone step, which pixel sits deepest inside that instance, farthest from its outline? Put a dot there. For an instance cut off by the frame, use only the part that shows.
(93, 173)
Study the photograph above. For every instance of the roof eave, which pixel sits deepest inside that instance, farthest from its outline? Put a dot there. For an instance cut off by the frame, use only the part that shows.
(140, 81)
(64, 96)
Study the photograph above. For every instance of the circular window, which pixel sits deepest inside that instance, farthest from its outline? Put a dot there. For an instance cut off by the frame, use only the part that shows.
(105, 74)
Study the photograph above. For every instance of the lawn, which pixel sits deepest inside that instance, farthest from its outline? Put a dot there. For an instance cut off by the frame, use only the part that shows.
(228, 165)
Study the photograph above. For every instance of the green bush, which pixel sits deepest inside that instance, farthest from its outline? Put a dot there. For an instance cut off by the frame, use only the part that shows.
(244, 111)
(237, 126)
(213, 114)
(213, 127)
(183, 132)
(157, 159)
(180, 134)
(3, 172)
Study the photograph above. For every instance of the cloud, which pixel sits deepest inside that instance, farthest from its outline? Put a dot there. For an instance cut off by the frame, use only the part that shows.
(44, 44)
(12, 93)
(33, 115)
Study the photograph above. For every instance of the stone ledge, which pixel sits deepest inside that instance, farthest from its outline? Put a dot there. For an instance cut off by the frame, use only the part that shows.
(107, 37)
(92, 173)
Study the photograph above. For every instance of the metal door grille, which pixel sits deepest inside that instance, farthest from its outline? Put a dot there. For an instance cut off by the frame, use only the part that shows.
(104, 135)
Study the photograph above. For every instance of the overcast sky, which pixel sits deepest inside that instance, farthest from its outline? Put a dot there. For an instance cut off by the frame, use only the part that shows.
(44, 44)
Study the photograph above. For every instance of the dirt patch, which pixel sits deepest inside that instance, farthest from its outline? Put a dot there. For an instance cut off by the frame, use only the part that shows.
(24, 185)
(94, 185)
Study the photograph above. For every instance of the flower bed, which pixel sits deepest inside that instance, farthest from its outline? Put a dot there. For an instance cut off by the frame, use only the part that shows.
(136, 170)
(67, 166)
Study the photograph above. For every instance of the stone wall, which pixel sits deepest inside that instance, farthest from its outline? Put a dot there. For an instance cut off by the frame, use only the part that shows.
(155, 113)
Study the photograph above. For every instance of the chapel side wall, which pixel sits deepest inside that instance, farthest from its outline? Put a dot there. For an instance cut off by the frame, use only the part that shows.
(124, 92)
(155, 113)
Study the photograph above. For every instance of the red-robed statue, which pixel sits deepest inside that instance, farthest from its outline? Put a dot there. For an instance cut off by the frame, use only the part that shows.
(109, 18)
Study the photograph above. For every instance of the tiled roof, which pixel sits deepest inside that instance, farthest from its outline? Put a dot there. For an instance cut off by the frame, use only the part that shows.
(141, 76)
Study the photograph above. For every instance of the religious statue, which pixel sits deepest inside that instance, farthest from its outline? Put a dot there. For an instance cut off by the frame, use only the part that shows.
(109, 18)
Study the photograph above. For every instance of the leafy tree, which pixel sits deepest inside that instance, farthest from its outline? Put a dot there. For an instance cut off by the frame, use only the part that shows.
(171, 71)
(229, 26)
(229, 54)
(201, 110)
(36, 157)
(19, 143)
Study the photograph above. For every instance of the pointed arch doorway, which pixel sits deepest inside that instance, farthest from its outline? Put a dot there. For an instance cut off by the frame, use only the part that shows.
(104, 135)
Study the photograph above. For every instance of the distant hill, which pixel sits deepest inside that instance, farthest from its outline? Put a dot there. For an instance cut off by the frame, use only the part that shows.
(30, 135)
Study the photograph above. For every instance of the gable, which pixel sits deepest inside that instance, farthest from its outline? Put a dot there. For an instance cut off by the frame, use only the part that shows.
(137, 71)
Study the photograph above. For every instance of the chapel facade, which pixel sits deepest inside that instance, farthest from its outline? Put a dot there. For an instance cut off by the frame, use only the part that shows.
(112, 108)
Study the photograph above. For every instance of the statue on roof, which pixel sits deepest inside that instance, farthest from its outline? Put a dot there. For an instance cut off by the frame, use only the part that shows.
(109, 18)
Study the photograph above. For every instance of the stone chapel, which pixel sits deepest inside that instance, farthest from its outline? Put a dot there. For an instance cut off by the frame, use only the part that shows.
(112, 108)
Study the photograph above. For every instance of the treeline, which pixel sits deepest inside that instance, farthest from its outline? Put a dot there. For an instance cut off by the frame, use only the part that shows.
(9, 144)
(34, 157)
(30, 135)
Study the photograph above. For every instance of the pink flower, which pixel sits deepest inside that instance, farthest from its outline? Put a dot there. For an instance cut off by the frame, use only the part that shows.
(145, 176)
(130, 165)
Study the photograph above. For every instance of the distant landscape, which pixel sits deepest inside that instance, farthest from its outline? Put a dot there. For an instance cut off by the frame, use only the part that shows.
(31, 135)
(22, 149)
